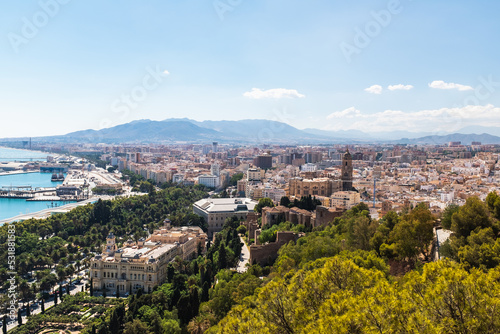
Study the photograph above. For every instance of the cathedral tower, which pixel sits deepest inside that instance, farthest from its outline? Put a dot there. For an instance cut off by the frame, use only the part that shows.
(347, 171)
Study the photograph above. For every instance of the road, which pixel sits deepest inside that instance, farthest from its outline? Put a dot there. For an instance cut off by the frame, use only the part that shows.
(244, 257)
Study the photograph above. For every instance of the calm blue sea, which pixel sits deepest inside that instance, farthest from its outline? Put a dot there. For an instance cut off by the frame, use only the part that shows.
(10, 207)
(9, 154)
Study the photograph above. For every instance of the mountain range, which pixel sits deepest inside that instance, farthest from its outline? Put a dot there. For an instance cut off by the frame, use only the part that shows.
(256, 131)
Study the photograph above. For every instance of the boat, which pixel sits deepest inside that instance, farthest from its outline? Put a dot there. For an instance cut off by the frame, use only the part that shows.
(57, 177)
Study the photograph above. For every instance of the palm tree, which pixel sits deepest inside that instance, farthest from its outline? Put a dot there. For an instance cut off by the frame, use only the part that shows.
(23, 265)
(61, 274)
(198, 325)
(24, 288)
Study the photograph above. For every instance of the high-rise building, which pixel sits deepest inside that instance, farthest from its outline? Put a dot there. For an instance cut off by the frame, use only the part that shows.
(264, 161)
(215, 147)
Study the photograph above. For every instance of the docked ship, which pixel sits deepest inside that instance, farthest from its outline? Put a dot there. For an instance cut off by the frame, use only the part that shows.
(57, 177)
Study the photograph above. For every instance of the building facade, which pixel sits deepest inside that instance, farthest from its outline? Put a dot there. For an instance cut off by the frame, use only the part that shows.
(215, 211)
(264, 161)
(345, 199)
(210, 181)
(143, 264)
(299, 187)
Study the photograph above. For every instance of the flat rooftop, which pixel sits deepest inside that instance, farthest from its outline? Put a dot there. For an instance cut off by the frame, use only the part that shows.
(214, 205)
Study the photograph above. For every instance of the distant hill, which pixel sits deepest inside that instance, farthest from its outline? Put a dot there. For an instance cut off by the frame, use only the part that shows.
(257, 130)
(254, 131)
(144, 131)
(465, 139)
(186, 130)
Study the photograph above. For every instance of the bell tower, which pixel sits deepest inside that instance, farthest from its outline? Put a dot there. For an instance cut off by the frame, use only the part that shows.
(111, 244)
(347, 171)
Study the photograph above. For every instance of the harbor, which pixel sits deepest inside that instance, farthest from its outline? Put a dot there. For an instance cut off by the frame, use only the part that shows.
(53, 184)
(27, 192)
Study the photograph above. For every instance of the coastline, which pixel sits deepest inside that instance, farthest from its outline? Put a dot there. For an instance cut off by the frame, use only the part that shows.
(24, 149)
(48, 212)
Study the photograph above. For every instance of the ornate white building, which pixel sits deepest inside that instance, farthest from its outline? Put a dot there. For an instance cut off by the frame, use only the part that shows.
(143, 264)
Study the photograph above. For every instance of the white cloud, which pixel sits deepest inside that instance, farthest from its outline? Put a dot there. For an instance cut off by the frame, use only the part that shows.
(441, 120)
(275, 93)
(433, 120)
(346, 113)
(166, 72)
(375, 89)
(440, 84)
(399, 87)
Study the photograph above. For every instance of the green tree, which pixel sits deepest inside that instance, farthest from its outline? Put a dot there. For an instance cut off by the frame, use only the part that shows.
(474, 214)
(447, 214)
(263, 202)
(493, 202)
(285, 201)
(222, 258)
(235, 178)
(136, 326)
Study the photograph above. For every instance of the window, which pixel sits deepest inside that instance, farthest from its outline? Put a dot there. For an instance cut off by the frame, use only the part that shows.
(150, 278)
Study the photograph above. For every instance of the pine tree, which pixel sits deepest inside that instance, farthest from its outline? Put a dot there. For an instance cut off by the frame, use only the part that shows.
(204, 293)
(222, 260)
(28, 311)
(194, 301)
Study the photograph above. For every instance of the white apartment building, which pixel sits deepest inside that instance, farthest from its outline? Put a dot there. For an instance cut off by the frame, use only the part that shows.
(345, 199)
(210, 181)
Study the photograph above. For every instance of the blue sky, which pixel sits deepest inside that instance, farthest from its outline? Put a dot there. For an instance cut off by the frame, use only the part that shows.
(88, 64)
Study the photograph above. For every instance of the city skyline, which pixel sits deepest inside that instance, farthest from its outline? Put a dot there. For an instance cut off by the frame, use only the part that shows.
(374, 67)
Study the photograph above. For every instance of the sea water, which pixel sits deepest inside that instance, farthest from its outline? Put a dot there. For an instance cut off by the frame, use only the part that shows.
(10, 207)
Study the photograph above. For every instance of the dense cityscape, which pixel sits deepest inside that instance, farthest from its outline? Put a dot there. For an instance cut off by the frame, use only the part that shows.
(243, 204)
